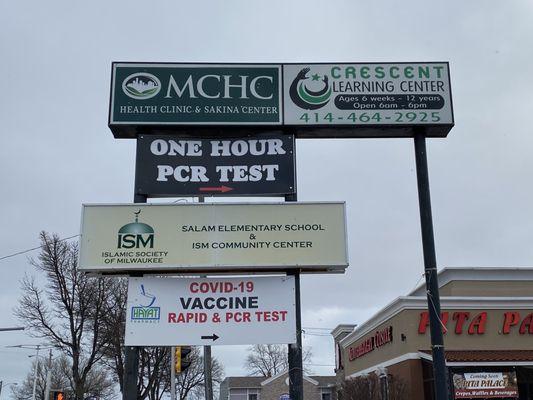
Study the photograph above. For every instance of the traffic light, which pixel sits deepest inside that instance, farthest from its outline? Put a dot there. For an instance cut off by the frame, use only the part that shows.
(181, 363)
(58, 395)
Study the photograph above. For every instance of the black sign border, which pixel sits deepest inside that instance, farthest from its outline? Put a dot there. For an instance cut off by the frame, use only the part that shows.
(292, 192)
(130, 131)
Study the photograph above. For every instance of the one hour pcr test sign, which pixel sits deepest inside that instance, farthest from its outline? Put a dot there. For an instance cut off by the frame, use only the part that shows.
(173, 166)
(214, 237)
(225, 311)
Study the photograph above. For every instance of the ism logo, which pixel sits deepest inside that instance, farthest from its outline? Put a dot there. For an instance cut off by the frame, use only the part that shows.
(141, 86)
(310, 92)
(136, 235)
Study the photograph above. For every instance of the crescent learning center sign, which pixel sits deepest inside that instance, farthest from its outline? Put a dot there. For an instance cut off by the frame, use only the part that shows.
(209, 237)
(220, 311)
(261, 165)
(315, 100)
(410, 94)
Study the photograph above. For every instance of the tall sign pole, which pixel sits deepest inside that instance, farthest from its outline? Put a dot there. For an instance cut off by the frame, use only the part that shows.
(430, 267)
(131, 356)
(208, 376)
(296, 387)
(296, 379)
(173, 373)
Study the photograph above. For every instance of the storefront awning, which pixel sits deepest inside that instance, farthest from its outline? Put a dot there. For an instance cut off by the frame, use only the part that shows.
(485, 357)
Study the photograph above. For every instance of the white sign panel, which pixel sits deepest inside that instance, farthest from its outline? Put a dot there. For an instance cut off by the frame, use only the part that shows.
(214, 237)
(210, 311)
(372, 94)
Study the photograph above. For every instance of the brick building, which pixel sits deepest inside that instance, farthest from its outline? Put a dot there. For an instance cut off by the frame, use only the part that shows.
(276, 388)
(487, 318)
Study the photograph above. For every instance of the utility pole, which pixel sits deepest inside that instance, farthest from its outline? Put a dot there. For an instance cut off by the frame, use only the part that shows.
(48, 378)
(35, 373)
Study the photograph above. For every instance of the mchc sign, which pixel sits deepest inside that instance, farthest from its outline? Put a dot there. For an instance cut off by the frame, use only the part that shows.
(192, 94)
(316, 100)
(214, 237)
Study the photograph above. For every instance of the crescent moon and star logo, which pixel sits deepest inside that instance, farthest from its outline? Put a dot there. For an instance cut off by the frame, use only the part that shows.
(306, 98)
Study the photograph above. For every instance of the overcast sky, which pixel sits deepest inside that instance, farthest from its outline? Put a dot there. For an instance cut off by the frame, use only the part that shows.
(57, 151)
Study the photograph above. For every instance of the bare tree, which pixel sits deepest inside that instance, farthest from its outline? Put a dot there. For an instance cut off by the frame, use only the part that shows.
(154, 372)
(154, 362)
(99, 384)
(58, 379)
(368, 387)
(190, 383)
(66, 311)
(271, 359)
(113, 329)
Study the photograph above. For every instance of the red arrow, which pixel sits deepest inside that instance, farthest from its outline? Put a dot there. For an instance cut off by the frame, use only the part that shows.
(221, 189)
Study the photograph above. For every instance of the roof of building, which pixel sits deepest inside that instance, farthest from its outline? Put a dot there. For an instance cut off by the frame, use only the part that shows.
(417, 298)
(449, 274)
(324, 380)
(248, 382)
(253, 382)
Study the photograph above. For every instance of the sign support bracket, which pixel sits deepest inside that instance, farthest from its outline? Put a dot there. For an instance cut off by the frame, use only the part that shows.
(430, 267)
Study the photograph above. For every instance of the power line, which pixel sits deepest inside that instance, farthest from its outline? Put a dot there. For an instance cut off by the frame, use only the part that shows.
(322, 329)
(33, 249)
(319, 365)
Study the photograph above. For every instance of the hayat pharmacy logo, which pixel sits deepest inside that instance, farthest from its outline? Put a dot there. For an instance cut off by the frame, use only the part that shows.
(141, 86)
(310, 92)
(146, 312)
(136, 235)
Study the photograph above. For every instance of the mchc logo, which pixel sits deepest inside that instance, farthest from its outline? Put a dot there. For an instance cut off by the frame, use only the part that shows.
(141, 86)
(136, 235)
(146, 313)
(306, 98)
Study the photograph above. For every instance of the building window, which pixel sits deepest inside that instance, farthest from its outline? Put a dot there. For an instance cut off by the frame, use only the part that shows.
(326, 395)
(238, 394)
(244, 394)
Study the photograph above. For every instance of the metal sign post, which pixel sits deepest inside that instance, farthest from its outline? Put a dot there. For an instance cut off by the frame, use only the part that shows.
(296, 380)
(208, 378)
(173, 373)
(131, 354)
(430, 267)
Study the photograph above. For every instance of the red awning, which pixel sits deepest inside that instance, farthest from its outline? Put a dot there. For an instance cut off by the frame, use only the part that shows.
(486, 355)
